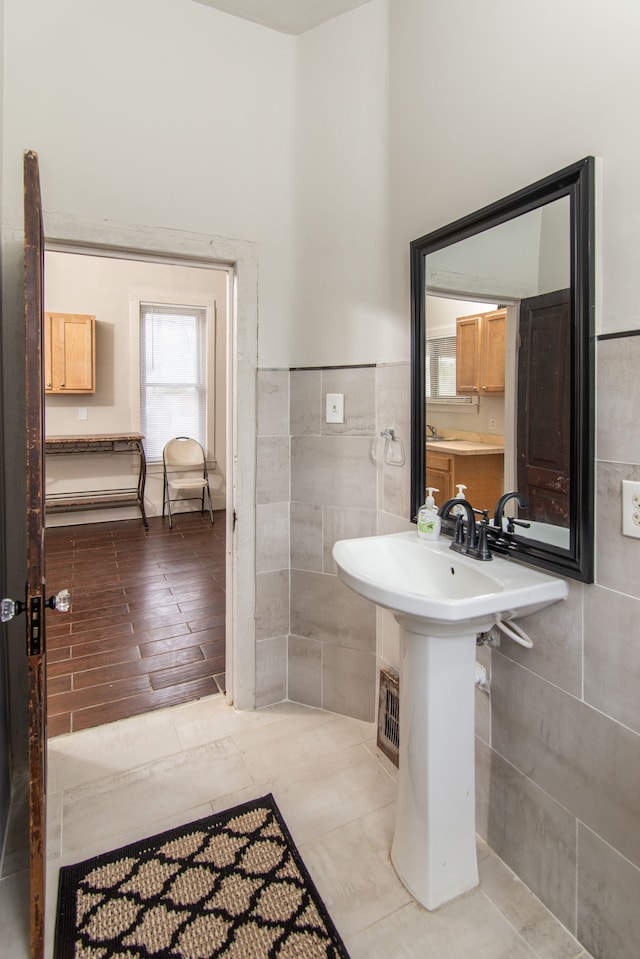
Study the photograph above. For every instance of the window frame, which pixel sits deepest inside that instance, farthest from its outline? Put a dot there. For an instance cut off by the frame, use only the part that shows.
(207, 337)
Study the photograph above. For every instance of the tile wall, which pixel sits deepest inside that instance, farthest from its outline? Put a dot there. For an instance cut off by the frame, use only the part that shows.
(558, 740)
(558, 737)
(319, 482)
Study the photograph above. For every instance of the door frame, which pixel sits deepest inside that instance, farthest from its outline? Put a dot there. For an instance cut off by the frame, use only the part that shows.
(239, 258)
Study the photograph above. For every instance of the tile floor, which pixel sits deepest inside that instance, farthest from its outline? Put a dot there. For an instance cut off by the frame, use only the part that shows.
(135, 777)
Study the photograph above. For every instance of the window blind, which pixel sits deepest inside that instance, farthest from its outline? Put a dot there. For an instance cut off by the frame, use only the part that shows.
(441, 367)
(173, 380)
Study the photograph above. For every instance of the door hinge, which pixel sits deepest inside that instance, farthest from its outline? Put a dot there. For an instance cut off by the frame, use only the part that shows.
(235, 520)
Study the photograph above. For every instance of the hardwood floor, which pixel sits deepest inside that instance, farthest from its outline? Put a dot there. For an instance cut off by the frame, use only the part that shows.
(147, 622)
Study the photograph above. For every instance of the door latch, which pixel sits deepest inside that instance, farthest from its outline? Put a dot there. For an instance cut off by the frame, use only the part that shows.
(10, 608)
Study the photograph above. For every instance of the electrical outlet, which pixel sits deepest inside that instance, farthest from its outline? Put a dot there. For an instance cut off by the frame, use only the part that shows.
(630, 508)
(493, 425)
(82, 412)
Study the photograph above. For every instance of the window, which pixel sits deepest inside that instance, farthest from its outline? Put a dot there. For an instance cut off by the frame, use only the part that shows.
(173, 381)
(441, 367)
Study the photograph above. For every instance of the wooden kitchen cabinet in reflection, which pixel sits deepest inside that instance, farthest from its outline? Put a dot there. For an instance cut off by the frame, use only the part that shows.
(480, 353)
(481, 473)
(69, 353)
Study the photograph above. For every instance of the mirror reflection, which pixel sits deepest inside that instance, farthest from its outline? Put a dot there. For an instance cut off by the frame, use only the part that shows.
(503, 368)
(497, 370)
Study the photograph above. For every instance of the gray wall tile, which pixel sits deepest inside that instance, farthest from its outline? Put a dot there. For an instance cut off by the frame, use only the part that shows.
(324, 608)
(608, 898)
(389, 523)
(618, 436)
(358, 389)
(272, 604)
(586, 761)
(273, 403)
(272, 537)
(617, 556)
(556, 633)
(305, 671)
(306, 537)
(542, 932)
(306, 402)
(333, 471)
(395, 488)
(612, 669)
(393, 385)
(394, 412)
(272, 473)
(388, 644)
(531, 832)
(271, 670)
(348, 523)
(348, 679)
(484, 759)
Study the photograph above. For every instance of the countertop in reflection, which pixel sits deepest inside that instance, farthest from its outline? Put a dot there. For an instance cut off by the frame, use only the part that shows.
(465, 447)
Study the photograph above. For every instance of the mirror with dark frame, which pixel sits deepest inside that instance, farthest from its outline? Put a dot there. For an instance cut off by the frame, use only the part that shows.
(503, 369)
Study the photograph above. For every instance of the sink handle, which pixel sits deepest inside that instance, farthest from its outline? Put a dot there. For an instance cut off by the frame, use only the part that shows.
(483, 544)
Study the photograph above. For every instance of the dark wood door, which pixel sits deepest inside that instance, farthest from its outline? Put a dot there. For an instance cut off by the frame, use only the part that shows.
(35, 602)
(544, 406)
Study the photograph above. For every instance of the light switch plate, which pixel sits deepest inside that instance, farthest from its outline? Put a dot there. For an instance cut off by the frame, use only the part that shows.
(335, 408)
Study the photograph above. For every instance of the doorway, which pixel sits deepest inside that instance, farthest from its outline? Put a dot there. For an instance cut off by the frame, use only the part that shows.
(146, 627)
(238, 260)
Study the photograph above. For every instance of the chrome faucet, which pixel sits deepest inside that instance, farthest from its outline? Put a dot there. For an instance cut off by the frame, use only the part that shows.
(432, 429)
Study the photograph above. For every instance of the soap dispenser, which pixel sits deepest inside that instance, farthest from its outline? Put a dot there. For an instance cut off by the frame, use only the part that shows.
(459, 510)
(429, 521)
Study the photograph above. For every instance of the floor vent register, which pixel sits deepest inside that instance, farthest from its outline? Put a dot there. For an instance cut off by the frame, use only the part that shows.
(389, 715)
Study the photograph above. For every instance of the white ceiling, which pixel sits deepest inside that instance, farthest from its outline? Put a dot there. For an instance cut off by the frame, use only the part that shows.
(287, 16)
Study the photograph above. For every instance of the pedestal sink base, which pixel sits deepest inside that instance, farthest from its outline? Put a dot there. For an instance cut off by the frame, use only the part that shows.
(441, 600)
(434, 845)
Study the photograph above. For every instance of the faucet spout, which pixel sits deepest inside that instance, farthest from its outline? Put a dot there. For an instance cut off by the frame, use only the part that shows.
(459, 543)
(502, 502)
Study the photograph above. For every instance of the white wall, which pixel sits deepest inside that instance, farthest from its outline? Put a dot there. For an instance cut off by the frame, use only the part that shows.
(111, 289)
(342, 312)
(159, 112)
(538, 87)
(523, 257)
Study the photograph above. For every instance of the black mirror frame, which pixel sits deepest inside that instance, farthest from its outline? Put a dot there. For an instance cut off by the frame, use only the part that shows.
(578, 183)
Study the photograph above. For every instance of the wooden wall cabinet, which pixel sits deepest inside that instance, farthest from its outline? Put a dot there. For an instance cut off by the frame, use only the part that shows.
(69, 353)
(480, 353)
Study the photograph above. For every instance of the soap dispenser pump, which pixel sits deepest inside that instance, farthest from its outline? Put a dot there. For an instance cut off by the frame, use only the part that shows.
(429, 521)
(459, 510)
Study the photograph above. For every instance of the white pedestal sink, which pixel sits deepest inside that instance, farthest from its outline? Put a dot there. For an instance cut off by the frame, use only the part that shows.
(441, 600)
